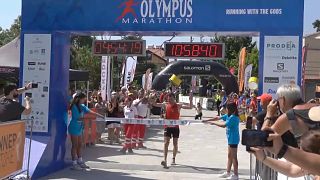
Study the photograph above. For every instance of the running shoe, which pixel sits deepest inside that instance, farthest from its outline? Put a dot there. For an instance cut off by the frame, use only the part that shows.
(224, 175)
(173, 163)
(233, 177)
(164, 164)
(123, 150)
(130, 151)
(83, 165)
(76, 167)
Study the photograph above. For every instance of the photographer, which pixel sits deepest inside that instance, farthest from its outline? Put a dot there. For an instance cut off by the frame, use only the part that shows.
(299, 118)
(10, 109)
(310, 142)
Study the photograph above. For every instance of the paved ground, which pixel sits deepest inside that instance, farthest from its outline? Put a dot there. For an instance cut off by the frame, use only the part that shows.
(202, 156)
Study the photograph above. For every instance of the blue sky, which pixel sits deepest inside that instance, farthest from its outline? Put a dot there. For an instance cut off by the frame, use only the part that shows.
(10, 9)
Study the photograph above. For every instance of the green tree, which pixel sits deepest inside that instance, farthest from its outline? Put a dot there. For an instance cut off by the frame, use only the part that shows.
(253, 58)
(316, 25)
(7, 35)
(233, 46)
(81, 58)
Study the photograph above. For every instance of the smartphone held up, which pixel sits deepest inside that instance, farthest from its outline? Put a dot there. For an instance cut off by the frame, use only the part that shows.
(255, 138)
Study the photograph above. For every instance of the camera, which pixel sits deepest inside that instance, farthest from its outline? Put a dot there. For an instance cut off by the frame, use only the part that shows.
(34, 85)
(255, 138)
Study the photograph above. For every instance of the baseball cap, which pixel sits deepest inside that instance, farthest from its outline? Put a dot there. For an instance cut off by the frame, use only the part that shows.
(265, 97)
(113, 93)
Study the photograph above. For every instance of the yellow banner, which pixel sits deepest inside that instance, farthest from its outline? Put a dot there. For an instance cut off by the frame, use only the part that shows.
(12, 138)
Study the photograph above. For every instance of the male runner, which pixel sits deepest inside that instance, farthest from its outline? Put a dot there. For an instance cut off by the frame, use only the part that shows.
(172, 109)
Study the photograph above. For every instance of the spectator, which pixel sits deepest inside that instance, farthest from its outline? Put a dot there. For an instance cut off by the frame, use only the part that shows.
(130, 112)
(231, 123)
(198, 111)
(218, 98)
(258, 120)
(75, 129)
(9, 108)
(101, 108)
(113, 111)
(253, 106)
(142, 105)
(310, 142)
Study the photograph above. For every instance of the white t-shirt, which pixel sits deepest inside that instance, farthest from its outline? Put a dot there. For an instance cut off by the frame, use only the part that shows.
(141, 108)
(130, 112)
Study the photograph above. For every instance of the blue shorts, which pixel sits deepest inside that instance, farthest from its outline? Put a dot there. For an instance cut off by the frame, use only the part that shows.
(75, 128)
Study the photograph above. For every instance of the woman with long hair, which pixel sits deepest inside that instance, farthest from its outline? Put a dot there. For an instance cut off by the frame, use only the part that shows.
(75, 129)
(230, 121)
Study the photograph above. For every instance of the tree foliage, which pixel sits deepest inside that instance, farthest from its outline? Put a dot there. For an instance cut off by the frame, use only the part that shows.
(316, 25)
(233, 46)
(81, 58)
(7, 35)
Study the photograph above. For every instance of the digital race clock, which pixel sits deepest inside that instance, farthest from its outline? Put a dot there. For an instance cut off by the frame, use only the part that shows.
(214, 51)
(119, 47)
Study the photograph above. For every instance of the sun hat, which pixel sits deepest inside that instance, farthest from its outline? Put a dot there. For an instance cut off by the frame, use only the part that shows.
(314, 113)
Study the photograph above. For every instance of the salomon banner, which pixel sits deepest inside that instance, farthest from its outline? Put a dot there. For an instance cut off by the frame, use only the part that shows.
(215, 69)
(280, 62)
(131, 63)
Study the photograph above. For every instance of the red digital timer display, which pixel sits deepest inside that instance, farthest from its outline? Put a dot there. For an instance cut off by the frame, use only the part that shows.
(119, 47)
(213, 51)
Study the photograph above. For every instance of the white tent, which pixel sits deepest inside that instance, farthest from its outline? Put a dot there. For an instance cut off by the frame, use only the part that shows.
(10, 54)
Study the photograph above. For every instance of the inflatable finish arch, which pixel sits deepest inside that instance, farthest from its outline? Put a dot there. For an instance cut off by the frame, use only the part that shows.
(221, 73)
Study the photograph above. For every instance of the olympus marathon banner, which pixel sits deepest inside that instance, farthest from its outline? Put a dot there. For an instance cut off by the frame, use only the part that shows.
(220, 72)
(163, 16)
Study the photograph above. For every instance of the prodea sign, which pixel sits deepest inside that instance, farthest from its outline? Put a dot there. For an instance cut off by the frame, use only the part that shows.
(12, 138)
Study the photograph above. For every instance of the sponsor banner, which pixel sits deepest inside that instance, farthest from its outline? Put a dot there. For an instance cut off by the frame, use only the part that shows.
(109, 78)
(242, 63)
(103, 82)
(193, 83)
(143, 80)
(149, 83)
(197, 69)
(247, 75)
(12, 139)
(156, 122)
(280, 62)
(146, 77)
(36, 69)
(131, 63)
